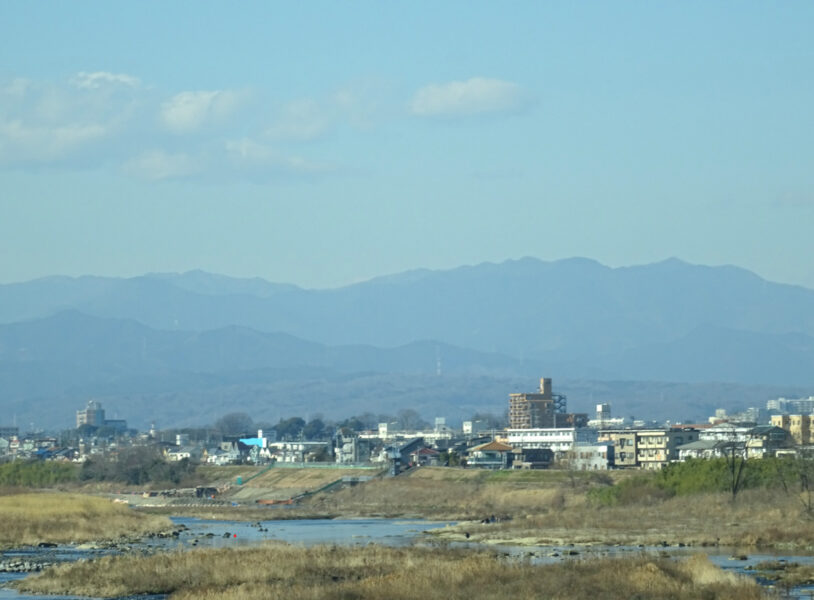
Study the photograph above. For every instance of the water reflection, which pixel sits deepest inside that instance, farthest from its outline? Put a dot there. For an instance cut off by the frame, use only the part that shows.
(198, 533)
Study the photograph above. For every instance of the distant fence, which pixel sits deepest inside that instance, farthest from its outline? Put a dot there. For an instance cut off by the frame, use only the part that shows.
(334, 466)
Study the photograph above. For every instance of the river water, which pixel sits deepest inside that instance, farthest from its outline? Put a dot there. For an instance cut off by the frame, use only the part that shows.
(201, 533)
(394, 532)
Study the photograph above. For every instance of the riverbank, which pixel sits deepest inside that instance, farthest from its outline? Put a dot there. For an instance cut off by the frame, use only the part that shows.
(54, 518)
(519, 507)
(554, 508)
(372, 572)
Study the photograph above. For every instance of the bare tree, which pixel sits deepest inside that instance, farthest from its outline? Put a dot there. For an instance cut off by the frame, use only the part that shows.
(735, 454)
(236, 423)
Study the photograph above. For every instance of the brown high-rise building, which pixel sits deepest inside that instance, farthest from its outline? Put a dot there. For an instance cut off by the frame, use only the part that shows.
(536, 410)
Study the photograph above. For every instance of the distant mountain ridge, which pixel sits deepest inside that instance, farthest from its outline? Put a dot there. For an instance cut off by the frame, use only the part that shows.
(77, 340)
(187, 347)
(524, 308)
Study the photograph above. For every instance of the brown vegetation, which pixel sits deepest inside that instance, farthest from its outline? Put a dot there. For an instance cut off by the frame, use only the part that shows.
(330, 572)
(443, 493)
(786, 574)
(57, 518)
(760, 518)
(552, 507)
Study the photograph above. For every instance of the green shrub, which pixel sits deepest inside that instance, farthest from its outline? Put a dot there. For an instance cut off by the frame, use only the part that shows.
(36, 473)
(639, 489)
(137, 466)
(697, 476)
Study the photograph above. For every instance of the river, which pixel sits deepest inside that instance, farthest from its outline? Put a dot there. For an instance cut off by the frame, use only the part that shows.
(220, 534)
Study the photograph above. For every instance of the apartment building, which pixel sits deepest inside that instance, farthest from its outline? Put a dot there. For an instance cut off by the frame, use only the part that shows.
(647, 448)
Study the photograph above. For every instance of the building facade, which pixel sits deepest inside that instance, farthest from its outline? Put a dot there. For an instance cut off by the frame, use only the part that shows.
(559, 440)
(93, 414)
(798, 426)
(531, 410)
(647, 448)
(542, 409)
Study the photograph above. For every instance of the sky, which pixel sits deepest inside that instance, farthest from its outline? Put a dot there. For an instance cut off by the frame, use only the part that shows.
(325, 143)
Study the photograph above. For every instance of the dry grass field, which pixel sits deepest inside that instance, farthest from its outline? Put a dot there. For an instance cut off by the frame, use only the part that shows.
(460, 494)
(759, 519)
(551, 507)
(57, 518)
(374, 572)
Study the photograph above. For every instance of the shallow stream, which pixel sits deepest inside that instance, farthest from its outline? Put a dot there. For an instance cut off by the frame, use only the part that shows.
(394, 532)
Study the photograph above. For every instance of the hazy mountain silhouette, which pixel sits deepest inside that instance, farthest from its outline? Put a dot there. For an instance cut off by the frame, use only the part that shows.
(524, 308)
(160, 336)
(80, 341)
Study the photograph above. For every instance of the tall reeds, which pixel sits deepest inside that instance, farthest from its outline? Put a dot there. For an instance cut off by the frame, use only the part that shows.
(374, 572)
(53, 517)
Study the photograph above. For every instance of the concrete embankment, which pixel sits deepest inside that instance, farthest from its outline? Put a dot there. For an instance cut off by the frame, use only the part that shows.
(19, 565)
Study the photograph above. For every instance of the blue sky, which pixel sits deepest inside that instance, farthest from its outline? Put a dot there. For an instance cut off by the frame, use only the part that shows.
(324, 143)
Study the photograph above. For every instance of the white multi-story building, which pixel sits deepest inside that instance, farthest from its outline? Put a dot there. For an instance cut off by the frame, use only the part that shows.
(559, 440)
(802, 406)
(726, 432)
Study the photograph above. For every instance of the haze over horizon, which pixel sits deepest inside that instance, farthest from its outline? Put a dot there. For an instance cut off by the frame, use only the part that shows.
(324, 144)
(418, 269)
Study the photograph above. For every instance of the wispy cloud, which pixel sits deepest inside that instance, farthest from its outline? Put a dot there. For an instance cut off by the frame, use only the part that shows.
(46, 124)
(21, 143)
(356, 105)
(261, 160)
(158, 165)
(474, 96)
(304, 119)
(98, 119)
(188, 112)
(97, 79)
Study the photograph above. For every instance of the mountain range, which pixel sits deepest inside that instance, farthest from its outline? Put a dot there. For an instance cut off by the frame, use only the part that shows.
(504, 325)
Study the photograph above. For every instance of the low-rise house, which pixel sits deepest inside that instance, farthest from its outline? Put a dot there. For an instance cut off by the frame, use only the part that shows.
(492, 455)
(296, 452)
(425, 457)
(727, 432)
(754, 442)
(397, 455)
(352, 449)
(590, 457)
(226, 453)
(179, 453)
(767, 440)
(532, 458)
(702, 449)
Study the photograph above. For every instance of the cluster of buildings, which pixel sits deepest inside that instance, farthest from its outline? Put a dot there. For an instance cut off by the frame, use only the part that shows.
(541, 433)
(540, 421)
(30, 446)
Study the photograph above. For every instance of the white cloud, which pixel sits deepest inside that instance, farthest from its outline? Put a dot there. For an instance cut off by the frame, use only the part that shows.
(16, 88)
(21, 142)
(361, 102)
(97, 79)
(258, 159)
(108, 120)
(477, 95)
(302, 120)
(158, 165)
(48, 123)
(188, 112)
